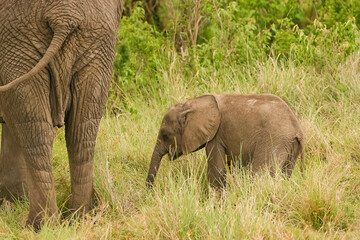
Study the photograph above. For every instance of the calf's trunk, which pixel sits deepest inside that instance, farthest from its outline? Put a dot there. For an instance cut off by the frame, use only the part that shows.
(158, 153)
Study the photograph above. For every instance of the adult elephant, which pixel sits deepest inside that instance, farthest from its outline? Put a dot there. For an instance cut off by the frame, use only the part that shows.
(56, 60)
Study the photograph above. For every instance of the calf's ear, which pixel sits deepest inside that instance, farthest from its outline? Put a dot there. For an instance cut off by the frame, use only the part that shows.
(199, 120)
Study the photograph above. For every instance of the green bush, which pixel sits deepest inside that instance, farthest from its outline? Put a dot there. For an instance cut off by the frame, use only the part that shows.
(140, 50)
(230, 35)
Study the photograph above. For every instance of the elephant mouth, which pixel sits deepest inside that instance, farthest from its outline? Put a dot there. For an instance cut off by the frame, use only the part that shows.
(173, 156)
(173, 152)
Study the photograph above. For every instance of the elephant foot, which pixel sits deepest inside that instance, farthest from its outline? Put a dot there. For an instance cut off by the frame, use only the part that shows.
(36, 221)
(35, 224)
(81, 199)
(73, 216)
(74, 210)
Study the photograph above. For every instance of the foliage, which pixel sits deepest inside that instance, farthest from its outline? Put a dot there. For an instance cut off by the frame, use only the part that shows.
(200, 38)
(138, 53)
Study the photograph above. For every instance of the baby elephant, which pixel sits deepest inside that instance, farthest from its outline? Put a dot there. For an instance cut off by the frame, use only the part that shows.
(261, 130)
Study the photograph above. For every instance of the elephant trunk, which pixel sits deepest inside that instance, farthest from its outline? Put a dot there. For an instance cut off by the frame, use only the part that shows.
(157, 155)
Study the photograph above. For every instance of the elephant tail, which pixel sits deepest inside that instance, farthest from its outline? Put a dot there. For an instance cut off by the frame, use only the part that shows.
(58, 39)
(302, 155)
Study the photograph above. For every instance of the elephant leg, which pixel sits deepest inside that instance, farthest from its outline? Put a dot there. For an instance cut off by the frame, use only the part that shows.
(80, 140)
(280, 160)
(12, 167)
(38, 151)
(261, 159)
(28, 118)
(81, 127)
(216, 165)
(273, 159)
(36, 139)
(290, 158)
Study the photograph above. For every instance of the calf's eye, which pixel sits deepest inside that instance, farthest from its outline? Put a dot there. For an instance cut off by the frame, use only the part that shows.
(165, 137)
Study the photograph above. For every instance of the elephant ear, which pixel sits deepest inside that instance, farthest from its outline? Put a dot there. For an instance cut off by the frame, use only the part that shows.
(200, 121)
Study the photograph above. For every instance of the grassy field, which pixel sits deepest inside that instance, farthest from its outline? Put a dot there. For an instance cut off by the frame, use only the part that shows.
(318, 77)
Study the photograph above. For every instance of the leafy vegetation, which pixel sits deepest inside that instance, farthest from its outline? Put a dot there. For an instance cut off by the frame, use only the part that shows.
(306, 52)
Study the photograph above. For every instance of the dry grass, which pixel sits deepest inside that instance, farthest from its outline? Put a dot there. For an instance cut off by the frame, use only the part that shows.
(324, 204)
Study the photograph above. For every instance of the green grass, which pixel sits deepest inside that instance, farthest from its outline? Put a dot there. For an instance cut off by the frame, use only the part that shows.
(255, 48)
(324, 204)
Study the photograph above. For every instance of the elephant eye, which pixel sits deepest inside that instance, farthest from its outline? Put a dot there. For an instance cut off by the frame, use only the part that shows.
(165, 136)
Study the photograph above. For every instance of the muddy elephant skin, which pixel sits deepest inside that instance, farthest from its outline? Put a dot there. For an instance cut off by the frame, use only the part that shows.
(260, 130)
(56, 61)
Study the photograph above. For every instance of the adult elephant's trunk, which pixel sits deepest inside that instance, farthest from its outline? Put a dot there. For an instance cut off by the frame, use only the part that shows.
(158, 153)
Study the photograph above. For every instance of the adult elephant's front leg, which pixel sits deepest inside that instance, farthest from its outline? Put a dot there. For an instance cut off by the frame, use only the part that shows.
(12, 167)
(81, 127)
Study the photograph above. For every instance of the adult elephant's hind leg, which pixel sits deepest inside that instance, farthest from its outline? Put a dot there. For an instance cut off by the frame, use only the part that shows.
(38, 142)
(81, 127)
(34, 131)
(12, 167)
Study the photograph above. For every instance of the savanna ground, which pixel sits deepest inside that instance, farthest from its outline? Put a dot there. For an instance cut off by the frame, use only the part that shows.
(306, 52)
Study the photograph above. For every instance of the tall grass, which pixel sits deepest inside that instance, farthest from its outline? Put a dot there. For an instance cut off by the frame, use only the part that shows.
(321, 205)
(317, 75)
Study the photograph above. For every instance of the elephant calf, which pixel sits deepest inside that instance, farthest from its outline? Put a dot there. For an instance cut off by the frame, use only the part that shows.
(261, 130)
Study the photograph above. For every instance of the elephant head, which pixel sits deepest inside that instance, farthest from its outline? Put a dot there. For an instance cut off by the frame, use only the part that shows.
(185, 128)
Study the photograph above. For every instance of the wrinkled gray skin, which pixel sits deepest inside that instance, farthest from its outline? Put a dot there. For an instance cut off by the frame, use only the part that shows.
(56, 60)
(261, 130)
